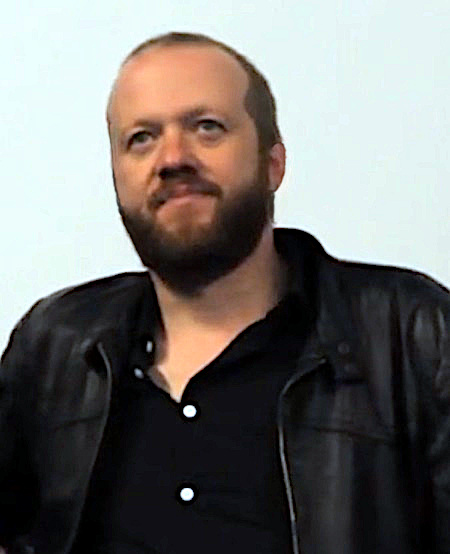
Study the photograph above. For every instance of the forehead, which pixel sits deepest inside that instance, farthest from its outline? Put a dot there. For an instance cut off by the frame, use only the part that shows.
(164, 80)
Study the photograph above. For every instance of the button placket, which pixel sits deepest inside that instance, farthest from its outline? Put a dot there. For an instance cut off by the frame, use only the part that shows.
(187, 492)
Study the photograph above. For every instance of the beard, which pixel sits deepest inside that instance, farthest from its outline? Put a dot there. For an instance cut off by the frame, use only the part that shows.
(189, 260)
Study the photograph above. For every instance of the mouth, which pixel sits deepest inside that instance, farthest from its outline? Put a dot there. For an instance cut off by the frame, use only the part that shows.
(180, 191)
(184, 190)
(185, 198)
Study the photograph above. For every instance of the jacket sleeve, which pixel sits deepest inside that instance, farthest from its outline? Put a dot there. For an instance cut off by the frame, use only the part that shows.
(16, 483)
(430, 356)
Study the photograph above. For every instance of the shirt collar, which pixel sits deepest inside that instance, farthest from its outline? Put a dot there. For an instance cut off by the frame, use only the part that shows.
(296, 290)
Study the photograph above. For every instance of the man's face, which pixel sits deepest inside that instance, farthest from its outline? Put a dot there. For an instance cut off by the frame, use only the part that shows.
(192, 189)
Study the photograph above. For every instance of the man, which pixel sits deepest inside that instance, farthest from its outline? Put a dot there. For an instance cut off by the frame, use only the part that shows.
(247, 393)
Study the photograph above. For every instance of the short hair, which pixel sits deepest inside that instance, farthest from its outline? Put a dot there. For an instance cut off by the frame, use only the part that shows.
(259, 101)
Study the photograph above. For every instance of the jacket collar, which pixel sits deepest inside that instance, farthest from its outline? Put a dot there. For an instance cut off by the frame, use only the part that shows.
(321, 281)
(315, 276)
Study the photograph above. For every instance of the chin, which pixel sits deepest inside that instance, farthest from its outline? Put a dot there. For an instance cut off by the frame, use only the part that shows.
(189, 231)
(190, 248)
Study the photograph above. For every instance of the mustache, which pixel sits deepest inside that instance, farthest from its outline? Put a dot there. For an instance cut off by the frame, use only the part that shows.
(189, 183)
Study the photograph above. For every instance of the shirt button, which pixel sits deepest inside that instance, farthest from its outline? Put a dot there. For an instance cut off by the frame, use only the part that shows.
(138, 373)
(186, 494)
(149, 346)
(189, 411)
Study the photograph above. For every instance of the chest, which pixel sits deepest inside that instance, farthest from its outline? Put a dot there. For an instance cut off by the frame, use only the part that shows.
(219, 443)
(176, 362)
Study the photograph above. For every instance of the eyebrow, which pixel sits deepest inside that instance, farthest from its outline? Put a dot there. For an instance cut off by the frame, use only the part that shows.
(184, 116)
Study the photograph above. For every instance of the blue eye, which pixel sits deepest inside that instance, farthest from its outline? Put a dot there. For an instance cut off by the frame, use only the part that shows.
(209, 124)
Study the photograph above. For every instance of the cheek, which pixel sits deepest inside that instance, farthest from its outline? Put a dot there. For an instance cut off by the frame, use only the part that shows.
(239, 165)
(130, 184)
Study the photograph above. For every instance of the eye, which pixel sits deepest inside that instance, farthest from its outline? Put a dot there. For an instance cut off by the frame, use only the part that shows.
(209, 125)
(141, 137)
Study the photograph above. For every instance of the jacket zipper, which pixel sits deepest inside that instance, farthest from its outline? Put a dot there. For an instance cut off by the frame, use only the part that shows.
(282, 449)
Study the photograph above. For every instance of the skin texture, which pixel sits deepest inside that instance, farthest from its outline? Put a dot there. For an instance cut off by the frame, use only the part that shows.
(179, 172)
(217, 150)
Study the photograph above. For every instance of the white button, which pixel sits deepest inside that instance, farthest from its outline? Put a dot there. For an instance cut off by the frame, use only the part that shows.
(187, 494)
(138, 373)
(149, 347)
(189, 411)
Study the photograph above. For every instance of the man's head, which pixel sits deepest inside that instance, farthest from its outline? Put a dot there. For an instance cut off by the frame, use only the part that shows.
(195, 162)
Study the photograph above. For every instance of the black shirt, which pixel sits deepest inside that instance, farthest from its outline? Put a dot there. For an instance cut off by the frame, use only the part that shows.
(202, 475)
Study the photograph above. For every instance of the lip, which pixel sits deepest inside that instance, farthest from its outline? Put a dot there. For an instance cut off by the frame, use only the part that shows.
(185, 198)
(183, 193)
(184, 190)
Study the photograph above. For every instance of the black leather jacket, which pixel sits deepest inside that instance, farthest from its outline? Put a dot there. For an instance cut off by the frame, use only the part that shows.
(364, 421)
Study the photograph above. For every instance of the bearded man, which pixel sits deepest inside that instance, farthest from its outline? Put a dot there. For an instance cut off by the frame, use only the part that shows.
(247, 392)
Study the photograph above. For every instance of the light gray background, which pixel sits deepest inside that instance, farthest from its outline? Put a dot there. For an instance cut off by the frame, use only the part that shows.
(363, 91)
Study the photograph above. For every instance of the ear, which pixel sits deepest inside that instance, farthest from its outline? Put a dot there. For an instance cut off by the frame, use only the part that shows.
(277, 165)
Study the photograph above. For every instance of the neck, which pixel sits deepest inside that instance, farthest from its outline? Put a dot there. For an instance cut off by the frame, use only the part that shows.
(231, 302)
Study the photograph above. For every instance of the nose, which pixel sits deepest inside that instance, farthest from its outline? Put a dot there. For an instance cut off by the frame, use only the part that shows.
(174, 149)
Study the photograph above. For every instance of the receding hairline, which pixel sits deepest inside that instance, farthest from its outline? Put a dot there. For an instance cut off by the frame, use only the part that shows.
(160, 46)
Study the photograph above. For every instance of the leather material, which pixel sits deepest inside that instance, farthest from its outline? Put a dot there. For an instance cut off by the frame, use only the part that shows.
(364, 422)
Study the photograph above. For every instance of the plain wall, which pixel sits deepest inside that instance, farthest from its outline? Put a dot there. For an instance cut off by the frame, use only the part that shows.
(362, 90)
